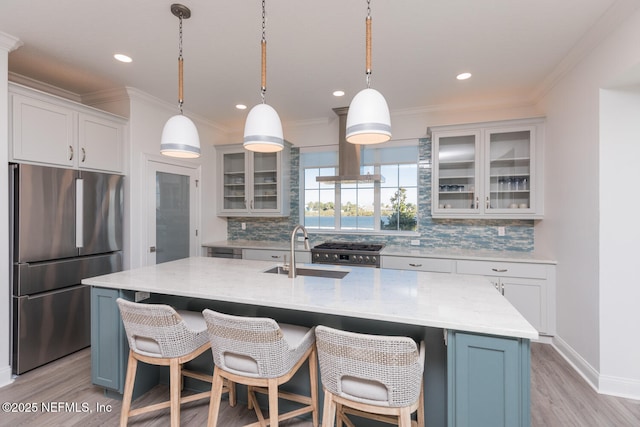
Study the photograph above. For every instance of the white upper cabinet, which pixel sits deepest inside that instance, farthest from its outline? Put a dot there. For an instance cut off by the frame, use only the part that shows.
(50, 130)
(253, 184)
(100, 143)
(488, 170)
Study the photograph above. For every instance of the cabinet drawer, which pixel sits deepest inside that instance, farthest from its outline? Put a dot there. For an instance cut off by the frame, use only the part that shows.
(415, 263)
(503, 269)
(275, 255)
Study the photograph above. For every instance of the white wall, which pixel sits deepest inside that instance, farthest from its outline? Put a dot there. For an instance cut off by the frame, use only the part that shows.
(407, 124)
(619, 239)
(7, 44)
(147, 117)
(579, 218)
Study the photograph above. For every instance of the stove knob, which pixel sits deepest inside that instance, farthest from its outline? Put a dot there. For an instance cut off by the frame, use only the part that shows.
(360, 258)
(373, 259)
(326, 256)
(335, 257)
(316, 256)
(366, 259)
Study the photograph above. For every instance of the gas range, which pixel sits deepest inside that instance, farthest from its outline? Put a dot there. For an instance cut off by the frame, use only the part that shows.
(345, 253)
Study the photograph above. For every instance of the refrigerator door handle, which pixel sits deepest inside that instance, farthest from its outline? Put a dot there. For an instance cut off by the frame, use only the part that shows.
(79, 212)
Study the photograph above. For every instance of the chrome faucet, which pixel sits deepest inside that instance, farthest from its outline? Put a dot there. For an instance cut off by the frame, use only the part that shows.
(292, 263)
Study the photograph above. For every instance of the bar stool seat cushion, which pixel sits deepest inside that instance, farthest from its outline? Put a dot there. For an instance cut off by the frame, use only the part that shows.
(157, 330)
(368, 391)
(295, 336)
(194, 321)
(372, 369)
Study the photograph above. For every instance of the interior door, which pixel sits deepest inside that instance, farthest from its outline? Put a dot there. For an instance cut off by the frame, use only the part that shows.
(173, 207)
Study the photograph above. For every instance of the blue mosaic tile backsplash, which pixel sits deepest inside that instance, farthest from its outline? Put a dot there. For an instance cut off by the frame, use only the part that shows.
(433, 233)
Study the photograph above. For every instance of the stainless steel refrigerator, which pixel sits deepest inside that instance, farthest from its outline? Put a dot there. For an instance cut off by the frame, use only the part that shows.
(66, 225)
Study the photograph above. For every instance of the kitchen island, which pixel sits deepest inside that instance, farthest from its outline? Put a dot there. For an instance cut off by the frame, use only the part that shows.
(477, 365)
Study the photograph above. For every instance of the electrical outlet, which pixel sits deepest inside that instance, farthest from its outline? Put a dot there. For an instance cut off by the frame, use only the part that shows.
(415, 242)
(501, 231)
(243, 225)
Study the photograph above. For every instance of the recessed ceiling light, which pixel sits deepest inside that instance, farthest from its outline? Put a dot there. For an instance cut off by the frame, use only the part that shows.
(338, 93)
(122, 58)
(463, 76)
(241, 106)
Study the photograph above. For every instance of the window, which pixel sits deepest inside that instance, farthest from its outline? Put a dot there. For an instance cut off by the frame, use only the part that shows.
(319, 199)
(390, 205)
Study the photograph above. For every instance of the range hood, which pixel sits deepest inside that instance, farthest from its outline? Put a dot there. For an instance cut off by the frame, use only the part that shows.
(348, 157)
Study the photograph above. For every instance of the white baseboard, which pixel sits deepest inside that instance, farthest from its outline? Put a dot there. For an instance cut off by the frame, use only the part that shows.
(603, 384)
(5, 376)
(620, 387)
(582, 367)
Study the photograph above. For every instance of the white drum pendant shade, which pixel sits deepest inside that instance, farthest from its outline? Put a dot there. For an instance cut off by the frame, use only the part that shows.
(263, 130)
(368, 119)
(180, 138)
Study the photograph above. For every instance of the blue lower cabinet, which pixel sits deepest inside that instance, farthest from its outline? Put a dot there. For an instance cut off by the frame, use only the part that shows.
(488, 380)
(108, 340)
(110, 348)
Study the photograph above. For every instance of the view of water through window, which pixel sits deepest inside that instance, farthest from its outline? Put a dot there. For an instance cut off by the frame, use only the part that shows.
(391, 204)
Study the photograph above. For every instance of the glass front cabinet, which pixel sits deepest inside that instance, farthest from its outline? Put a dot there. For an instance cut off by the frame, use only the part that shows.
(488, 170)
(253, 184)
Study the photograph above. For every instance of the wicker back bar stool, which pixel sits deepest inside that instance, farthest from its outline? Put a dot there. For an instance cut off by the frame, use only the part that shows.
(261, 354)
(159, 335)
(371, 376)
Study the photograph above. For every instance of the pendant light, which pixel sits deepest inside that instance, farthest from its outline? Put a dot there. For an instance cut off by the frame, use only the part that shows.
(179, 135)
(263, 129)
(368, 120)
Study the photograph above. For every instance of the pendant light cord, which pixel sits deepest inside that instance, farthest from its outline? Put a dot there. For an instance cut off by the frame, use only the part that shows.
(263, 44)
(180, 68)
(368, 44)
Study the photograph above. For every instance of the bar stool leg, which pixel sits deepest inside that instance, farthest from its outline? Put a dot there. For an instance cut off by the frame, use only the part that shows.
(405, 418)
(313, 380)
(273, 402)
(421, 407)
(128, 389)
(214, 401)
(174, 385)
(329, 410)
(232, 393)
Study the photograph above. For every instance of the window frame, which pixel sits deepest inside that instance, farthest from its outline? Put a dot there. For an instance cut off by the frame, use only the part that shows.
(377, 162)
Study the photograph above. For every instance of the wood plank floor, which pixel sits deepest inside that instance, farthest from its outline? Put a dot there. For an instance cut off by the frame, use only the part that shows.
(560, 397)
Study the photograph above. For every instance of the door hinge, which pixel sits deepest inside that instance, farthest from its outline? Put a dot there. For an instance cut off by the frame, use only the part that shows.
(197, 182)
(196, 233)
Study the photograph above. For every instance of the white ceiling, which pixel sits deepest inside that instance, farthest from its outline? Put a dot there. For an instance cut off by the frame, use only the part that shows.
(314, 48)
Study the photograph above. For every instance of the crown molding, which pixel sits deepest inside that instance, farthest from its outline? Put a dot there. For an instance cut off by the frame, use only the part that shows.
(9, 42)
(44, 87)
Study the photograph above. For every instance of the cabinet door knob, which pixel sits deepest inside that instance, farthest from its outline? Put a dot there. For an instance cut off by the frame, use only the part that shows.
(415, 265)
(70, 153)
(500, 270)
(84, 154)
(275, 256)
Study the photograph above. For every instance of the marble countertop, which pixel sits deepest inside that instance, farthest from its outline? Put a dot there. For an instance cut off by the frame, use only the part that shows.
(400, 250)
(440, 300)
